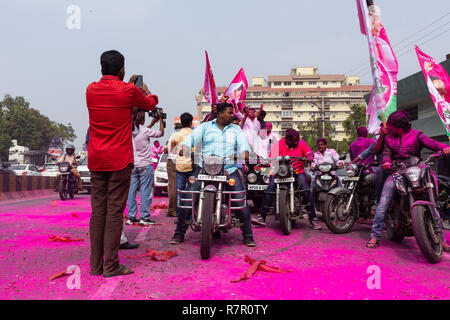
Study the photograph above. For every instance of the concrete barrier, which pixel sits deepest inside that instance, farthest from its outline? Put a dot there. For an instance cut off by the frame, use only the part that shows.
(14, 187)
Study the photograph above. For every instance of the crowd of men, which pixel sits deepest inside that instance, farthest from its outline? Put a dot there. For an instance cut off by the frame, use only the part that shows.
(121, 160)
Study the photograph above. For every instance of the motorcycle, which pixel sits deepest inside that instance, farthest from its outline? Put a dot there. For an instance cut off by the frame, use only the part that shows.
(289, 198)
(416, 213)
(357, 199)
(215, 210)
(258, 179)
(68, 181)
(324, 181)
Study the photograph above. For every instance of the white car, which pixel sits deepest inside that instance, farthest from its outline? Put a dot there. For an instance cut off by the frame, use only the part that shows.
(50, 170)
(25, 170)
(160, 179)
(85, 175)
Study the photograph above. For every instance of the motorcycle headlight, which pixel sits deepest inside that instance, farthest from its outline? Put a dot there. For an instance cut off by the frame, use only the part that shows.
(352, 170)
(283, 171)
(413, 174)
(325, 167)
(266, 178)
(251, 178)
(213, 165)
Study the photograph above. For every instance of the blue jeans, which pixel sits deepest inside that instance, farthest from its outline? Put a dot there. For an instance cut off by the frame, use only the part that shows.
(304, 185)
(143, 177)
(387, 195)
(244, 214)
(182, 181)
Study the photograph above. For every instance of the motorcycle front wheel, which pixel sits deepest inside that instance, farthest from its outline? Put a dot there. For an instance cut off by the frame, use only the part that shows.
(428, 240)
(336, 219)
(207, 225)
(285, 221)
(62, 188)
(71, 188)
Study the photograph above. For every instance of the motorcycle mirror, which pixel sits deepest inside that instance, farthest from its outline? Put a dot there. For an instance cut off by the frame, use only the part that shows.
(342, 157)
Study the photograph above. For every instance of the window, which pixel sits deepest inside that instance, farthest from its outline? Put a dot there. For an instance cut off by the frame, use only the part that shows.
(287, 83)
(312, 83)
(287, 94)
(286, 114)
(277, 83)
(299, 83)
(325, 83)
(286, 125)
(256, 94)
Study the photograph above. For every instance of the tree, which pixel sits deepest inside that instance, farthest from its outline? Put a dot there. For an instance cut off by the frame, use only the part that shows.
(356, 119)
(313, 129)
(29, 127)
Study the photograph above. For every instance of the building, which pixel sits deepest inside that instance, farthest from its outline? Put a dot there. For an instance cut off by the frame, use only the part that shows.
(17, 153)
(291, 100)
(414, 98)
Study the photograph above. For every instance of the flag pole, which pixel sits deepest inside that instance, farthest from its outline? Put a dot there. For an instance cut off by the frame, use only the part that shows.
(383, 115)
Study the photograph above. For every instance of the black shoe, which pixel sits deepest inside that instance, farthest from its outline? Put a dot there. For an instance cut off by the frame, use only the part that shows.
(177, 239)
(248, 240)
(131, 221)
(128, 245)
(146, 222)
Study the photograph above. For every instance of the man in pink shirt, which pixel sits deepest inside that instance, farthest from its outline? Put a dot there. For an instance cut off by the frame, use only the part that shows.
(291, 145)
(157, 149)
(250, 126)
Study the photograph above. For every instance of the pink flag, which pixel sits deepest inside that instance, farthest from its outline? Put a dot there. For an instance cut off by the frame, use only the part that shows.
(209, 87)
(237, 89)
(383, 99)
(438, 83)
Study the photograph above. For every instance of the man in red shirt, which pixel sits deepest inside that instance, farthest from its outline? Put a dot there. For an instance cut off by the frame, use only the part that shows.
(110, 102)
(291, 145)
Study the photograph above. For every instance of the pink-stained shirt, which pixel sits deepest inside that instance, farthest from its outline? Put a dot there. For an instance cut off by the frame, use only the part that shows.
(251, 130)
(329, 156)
(141, 141)
(156, 151)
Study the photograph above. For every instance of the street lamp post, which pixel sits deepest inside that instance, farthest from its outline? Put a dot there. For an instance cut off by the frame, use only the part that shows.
(323, 115)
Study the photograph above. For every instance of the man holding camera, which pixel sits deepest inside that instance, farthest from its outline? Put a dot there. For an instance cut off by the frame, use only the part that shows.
(110, 102)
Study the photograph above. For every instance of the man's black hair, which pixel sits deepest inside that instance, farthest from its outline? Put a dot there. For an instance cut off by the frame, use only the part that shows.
(291, 134)
(262, 114)
(222, 106)
(323, 140)
(112, 61)
(186, 120)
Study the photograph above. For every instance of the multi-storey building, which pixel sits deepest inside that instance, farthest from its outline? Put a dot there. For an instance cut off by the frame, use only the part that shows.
(292, 100)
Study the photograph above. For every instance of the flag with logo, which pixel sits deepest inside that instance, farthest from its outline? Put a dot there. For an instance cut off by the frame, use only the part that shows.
(438, 82)
(237, 90)
(383, 99)
(209, 87)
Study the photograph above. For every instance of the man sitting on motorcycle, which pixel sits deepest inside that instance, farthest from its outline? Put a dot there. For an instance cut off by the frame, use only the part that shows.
(221, 138)
(291, 145)
(401, 143)
(69, 157)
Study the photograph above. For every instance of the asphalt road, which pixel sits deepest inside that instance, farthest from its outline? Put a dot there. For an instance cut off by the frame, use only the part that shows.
(323, 265)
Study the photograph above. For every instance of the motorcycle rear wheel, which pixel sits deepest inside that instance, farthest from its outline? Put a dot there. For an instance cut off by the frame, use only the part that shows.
(425, 232)
(285, 221)
(207, 225)
(62, 189)
(334, 219)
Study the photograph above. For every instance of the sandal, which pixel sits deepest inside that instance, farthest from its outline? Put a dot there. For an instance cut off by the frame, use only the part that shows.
(372, 244)
(315, 226)
(122, 272)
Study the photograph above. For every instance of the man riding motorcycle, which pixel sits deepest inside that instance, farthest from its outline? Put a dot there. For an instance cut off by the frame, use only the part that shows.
(69, 157)
(224, 139)
(401, 143)
(291, 145)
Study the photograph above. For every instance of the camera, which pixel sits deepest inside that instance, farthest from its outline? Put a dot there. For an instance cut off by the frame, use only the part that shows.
(156, 114)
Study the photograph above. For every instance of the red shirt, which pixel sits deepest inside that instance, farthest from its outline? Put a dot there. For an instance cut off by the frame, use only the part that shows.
(110, 103)
(301, 150)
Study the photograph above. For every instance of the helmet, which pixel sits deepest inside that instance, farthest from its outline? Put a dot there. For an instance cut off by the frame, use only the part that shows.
(70, 149)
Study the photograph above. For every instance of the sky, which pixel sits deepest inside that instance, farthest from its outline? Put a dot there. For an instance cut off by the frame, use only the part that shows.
(51, 65)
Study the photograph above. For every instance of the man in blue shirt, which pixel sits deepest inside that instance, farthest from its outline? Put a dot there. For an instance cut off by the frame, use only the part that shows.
(221, 138)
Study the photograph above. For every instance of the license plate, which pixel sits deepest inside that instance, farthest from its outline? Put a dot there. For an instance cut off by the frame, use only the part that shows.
(351, 179)
(204, 177)
(326, 178)
(285, 180)
(257, 187)
(86, 179)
